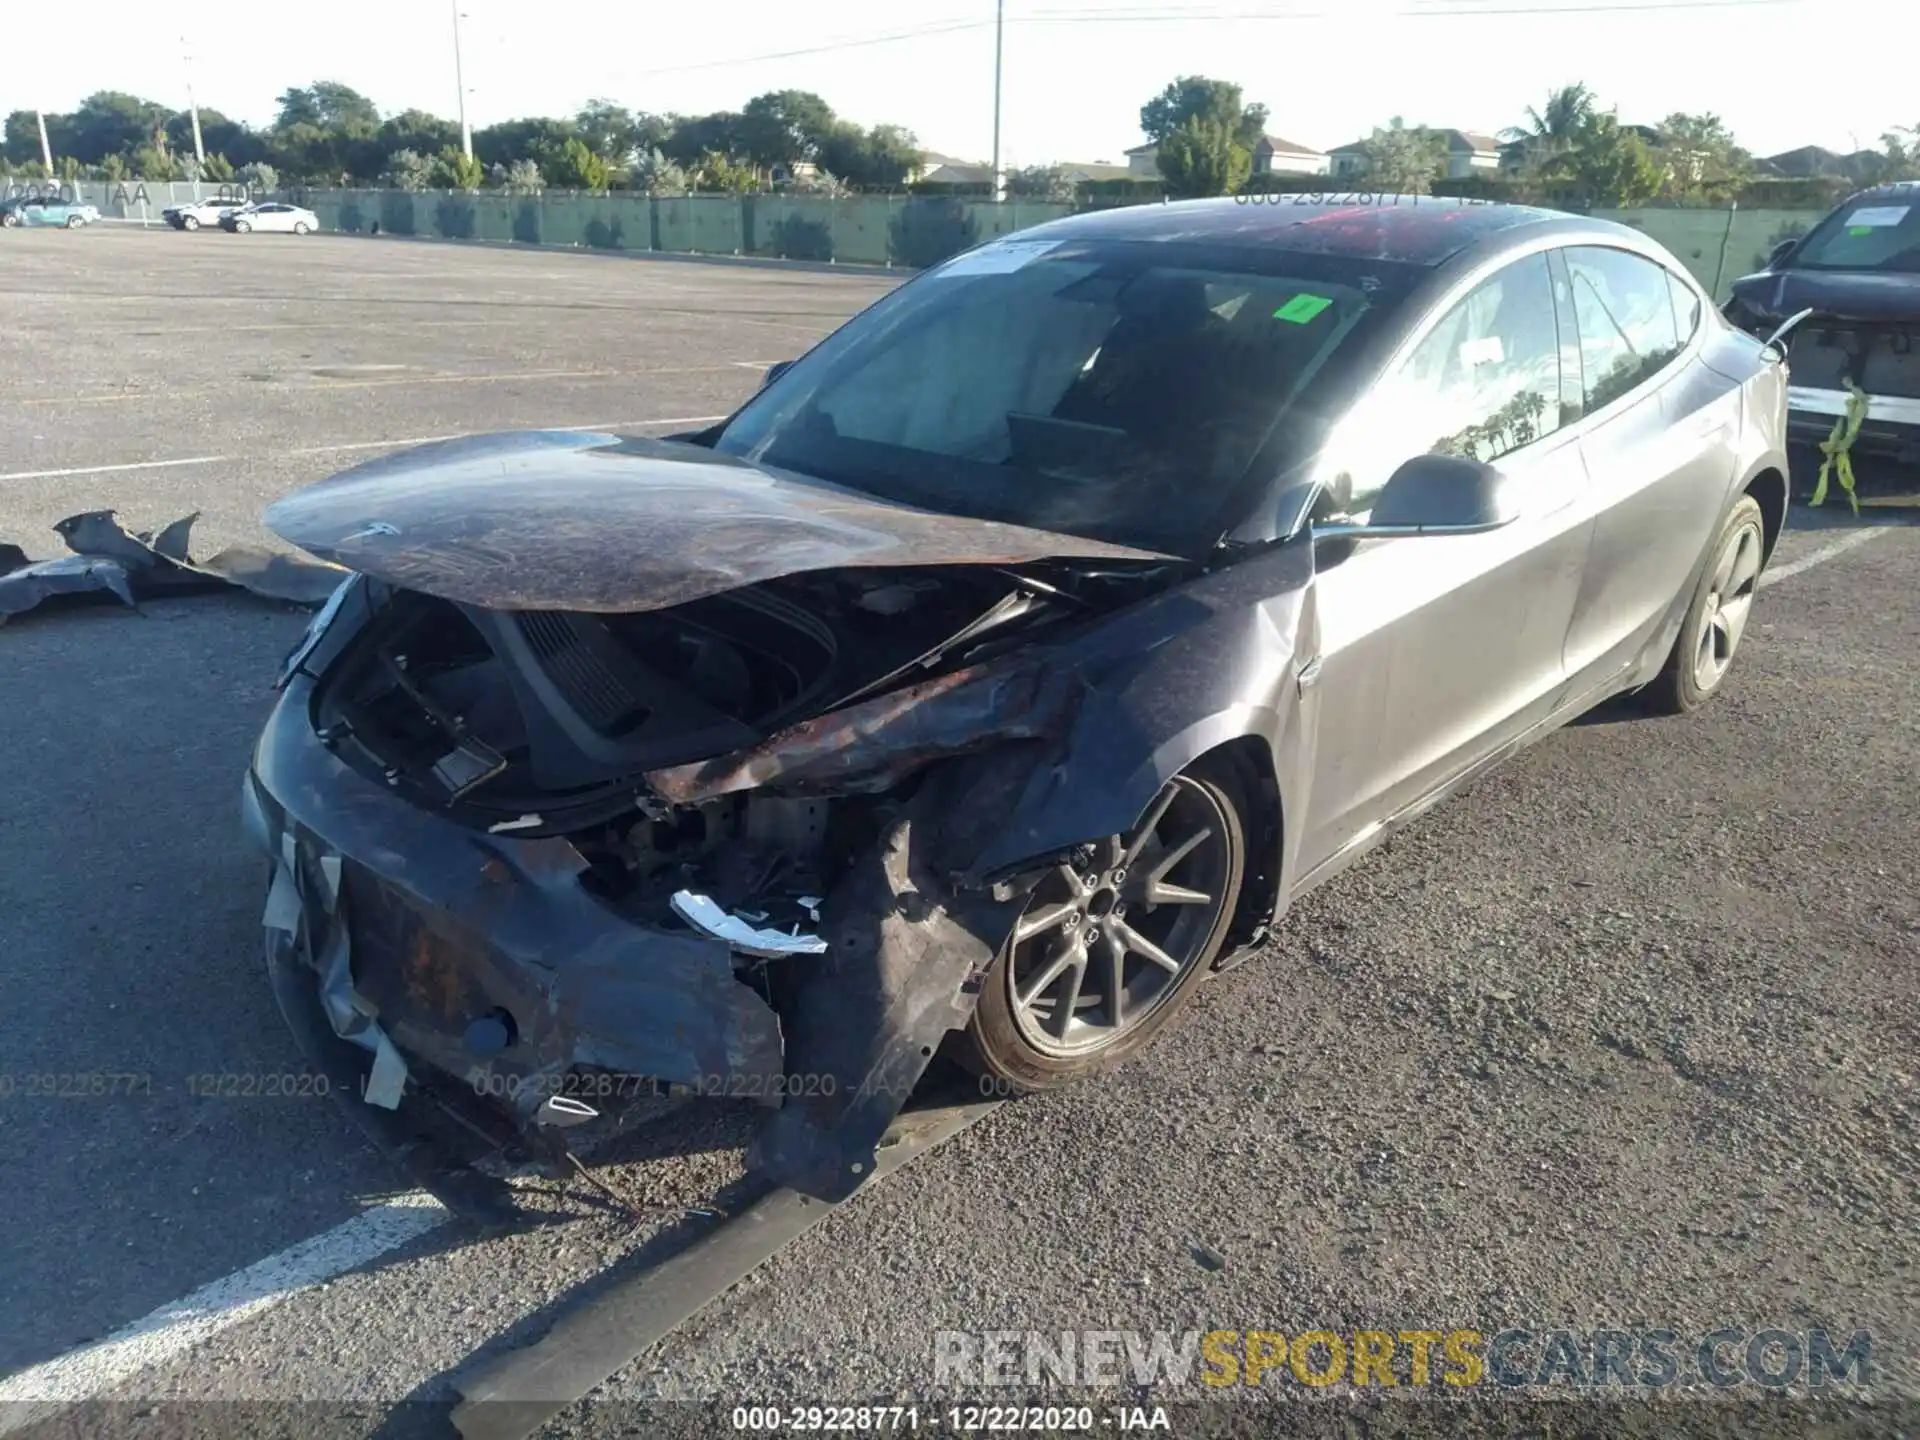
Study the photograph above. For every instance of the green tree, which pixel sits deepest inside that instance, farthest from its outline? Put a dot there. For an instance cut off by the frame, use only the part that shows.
(785, 127)
(1702, 160)
(876, 159)
(722, 173)
(1042, 182)
(724, 132)
(608, 129)
(109, 122)
(218, 169)
(420, 131)
(1195, 97)
(1556, 126)
(653, 174)
(1203, 157)
(327, 105)
(523, 177)
(1900, 152)
(406, 170)
(1402, 160)
(1607, 165)
(572, 165)
(259, 177)
(525, 139)
(454, 169)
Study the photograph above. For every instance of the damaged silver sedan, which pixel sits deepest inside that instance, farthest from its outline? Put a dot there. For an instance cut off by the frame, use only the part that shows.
(1005, 667)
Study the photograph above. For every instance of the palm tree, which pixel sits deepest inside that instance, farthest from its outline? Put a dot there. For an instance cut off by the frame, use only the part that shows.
(1569, 110)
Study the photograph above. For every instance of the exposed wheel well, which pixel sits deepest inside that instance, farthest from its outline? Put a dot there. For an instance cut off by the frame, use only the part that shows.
(1260, 889)
(1769, 488)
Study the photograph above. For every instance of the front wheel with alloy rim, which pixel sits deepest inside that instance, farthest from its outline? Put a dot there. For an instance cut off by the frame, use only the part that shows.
(1717, 619)
(241, 227)
(189, 223)
(1110, 945)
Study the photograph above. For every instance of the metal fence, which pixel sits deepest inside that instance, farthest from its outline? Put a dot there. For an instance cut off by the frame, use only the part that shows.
(904, 231)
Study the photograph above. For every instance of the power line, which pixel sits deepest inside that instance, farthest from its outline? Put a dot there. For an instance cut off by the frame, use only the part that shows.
(1419, 9)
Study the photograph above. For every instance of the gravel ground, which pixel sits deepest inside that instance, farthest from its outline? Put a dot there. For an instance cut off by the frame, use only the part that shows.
(1623, 1038)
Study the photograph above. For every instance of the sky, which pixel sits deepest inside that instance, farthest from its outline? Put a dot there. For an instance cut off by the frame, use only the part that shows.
(1074, 76)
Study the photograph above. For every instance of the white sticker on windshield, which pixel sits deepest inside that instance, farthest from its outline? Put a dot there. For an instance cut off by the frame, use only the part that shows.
(998, 259)
(1485, 351)
(1878, 217)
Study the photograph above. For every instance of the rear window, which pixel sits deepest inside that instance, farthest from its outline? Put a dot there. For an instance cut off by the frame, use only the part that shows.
(1871, 233)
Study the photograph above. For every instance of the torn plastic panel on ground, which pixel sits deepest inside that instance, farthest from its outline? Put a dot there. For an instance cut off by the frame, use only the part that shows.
(106, 559)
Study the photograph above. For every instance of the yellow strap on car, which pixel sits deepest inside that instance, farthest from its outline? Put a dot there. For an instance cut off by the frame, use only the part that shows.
(1838, 448)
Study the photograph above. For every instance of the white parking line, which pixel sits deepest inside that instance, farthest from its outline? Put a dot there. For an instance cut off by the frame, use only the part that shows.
(173, 1329)
(1819, 557)
(332, 449)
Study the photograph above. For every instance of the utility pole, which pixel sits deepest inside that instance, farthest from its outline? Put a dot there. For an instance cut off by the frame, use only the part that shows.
(460, 79)
(999, 31)
(46, 150)
(193, 109)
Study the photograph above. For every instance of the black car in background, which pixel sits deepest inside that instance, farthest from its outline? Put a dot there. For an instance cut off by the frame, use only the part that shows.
(1858, 270)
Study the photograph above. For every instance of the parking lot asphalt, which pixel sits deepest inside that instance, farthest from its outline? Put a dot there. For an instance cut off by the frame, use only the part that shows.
(1626, 1034)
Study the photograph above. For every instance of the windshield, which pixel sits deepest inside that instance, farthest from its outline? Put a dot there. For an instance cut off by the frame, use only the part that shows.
(1120, 391)
(1865, 234)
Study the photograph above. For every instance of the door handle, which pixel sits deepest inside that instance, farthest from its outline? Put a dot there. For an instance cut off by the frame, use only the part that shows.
(1308, 674)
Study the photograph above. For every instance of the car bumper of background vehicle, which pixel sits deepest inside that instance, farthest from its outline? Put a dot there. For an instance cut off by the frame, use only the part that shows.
(419, 958)
(1891, 429)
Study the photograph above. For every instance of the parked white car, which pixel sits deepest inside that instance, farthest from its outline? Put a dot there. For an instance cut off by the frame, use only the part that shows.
(201, 212)
(273, 217)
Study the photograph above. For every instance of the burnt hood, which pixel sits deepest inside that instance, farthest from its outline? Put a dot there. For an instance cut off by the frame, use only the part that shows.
(582, 520)
(1865, 295)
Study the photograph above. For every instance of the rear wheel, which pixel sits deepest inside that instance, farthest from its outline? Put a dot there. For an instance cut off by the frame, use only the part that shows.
(1717, 619)
(300, 227)
(9, 220)
(1110, 947)
(74, 222)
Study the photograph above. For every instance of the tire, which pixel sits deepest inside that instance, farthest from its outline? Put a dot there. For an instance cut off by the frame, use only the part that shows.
(1018, 1036)
(187, 222)
(9, 221)
(74, 222)
(241, 227)
(1717, 619)
(300, 227)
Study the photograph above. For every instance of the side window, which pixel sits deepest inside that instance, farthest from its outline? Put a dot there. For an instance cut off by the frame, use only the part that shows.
(1482, 383)
(1624, 306)
(1686, 307)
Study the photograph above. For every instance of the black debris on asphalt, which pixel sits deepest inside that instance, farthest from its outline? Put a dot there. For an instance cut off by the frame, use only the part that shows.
(107, 560)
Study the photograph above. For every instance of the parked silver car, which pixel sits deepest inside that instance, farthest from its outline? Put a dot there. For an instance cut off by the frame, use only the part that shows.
(1006, 666)
(273, 217)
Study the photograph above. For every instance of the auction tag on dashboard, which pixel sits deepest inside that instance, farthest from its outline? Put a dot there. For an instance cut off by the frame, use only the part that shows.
(1001, 258)
(1878, 217)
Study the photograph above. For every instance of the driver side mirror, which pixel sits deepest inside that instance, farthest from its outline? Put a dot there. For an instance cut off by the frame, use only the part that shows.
(1780, 252)
(1434, 495)
(775, 371)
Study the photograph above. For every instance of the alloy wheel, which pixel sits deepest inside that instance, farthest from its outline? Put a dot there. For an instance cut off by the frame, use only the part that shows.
(1105, 939)
(1736, 576)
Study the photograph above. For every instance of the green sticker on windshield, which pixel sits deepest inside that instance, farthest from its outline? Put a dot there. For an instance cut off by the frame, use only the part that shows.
(1302, 308)
(1861, 230)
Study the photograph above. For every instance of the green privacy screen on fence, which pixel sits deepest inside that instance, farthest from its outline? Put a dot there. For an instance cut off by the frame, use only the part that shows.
(907, 231)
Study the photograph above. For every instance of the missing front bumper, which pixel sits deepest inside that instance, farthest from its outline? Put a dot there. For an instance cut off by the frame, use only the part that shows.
(481, 957)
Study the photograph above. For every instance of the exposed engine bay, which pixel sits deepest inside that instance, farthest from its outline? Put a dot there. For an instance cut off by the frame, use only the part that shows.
(537, 724)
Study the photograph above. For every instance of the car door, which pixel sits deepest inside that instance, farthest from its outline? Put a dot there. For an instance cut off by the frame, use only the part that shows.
(273, 218)
(1657, 441)
(1436, 650)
